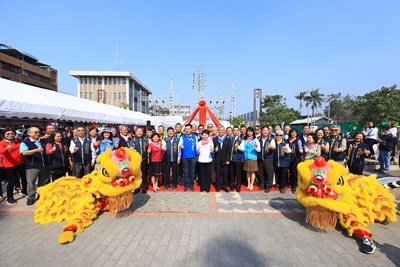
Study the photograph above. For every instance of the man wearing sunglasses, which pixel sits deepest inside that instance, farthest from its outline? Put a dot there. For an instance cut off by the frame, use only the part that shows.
(36, 170)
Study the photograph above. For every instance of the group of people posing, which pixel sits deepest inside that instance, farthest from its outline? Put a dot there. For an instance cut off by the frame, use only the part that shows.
(180, 156)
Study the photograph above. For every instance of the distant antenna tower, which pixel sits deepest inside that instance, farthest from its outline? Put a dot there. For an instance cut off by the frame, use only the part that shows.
(199, 83)
(233, 100)
(171, 96)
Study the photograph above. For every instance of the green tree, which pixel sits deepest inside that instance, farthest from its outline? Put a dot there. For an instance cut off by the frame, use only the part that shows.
(237, 121)
(300, 96)
(315, 100)
(276, 111)
(379, 105)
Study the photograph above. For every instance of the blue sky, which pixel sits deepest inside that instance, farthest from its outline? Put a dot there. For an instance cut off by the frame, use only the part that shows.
(283, 47)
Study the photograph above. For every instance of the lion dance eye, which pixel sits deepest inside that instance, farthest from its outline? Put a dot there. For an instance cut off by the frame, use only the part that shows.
(104, 172)
(340, 181)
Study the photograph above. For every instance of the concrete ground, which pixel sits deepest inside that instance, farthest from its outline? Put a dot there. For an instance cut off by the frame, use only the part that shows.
(195, 229)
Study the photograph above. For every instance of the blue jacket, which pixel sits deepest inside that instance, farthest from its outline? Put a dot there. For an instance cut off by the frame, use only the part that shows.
(250, 152)
(265, 153)
(84, 154)
(59, 158)
(140, 145)
(36, 160)
(189, 146)
(235, 154)
(104, 144)
(356, 157)
(171, 154)
(336, 156)
(281, 158)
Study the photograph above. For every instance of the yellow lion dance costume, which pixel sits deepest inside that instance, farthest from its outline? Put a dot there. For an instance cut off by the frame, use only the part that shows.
(330, 193)
(79, 201)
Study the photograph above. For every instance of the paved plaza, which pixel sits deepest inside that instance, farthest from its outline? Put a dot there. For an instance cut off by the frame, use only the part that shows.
(193, 229)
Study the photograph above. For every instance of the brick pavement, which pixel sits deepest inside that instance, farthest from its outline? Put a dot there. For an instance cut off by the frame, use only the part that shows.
(193, 229)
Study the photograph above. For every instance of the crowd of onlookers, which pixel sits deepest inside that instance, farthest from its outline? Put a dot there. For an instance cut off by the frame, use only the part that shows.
(183, 155)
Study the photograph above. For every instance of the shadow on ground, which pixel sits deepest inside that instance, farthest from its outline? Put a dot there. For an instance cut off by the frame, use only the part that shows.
(139, 200)
(224, 251)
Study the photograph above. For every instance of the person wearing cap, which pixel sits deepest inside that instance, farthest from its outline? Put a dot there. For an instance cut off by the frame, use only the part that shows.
(83, 153)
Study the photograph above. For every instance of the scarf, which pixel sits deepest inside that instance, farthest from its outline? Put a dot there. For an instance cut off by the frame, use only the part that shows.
(221, 139)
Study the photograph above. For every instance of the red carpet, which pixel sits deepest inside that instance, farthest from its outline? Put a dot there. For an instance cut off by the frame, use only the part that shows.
(212, 189)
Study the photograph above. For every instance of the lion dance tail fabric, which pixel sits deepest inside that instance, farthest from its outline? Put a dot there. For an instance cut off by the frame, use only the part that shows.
(79, 201)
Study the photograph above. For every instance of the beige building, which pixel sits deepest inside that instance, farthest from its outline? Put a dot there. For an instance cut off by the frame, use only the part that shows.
(116, 88)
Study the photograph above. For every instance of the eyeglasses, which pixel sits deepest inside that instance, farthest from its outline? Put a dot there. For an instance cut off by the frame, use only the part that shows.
(36, 132)
(257, 129)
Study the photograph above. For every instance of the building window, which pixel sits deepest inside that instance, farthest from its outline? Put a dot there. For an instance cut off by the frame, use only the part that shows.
(115, 80)
(85, 80)
(105, 80)
(81, 94)
(115, 95)
(124, 80)
(85, 95)
(100, 81)
(123, 95)
(90, 95)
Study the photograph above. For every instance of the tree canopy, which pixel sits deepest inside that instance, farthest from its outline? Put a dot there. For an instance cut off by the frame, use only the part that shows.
(379, 105)
(276, 111)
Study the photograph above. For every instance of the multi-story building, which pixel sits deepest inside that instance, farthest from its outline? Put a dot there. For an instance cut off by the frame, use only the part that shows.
(24, 68)
(116, 88)
(157, 109)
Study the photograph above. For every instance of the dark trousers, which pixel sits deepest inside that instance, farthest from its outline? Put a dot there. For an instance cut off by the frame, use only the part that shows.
(205, 176)
(235, 174)
(13, 175)
(281, 176)
(180, 173)
(171, 166)
(370, 143)
(266, 172)
(293, 173)
(81, 169)
(144, 167)
(57, 173)
(356, 169)
(221, 175)
(189, 168)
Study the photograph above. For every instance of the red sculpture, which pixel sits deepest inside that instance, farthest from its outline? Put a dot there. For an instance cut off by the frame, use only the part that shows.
(202, 109)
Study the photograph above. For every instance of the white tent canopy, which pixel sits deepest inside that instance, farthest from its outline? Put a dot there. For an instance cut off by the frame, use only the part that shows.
(19, 100)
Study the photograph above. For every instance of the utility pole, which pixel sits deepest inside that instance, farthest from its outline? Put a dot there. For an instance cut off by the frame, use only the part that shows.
(233, 101)
(199, 83)
(171, 97)
(257, 95)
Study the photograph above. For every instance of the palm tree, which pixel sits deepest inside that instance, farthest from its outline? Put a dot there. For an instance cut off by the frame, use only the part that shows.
(316, 100)
(300, 96)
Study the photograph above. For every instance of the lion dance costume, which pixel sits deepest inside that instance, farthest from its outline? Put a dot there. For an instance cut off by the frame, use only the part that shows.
(330, 193)
(79, 201)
